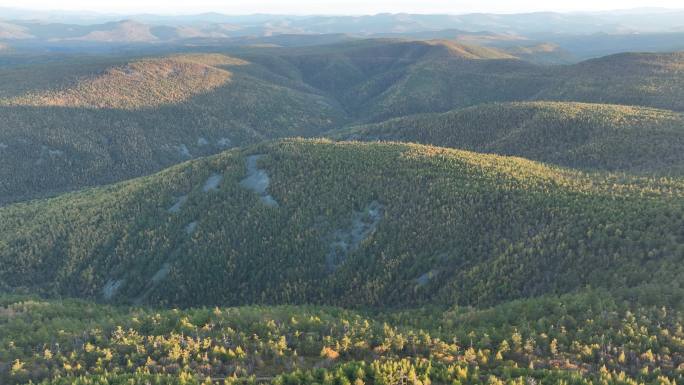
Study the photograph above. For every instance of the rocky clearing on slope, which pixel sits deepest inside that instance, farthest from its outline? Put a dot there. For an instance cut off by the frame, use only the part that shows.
(258, 180)
(346, 241)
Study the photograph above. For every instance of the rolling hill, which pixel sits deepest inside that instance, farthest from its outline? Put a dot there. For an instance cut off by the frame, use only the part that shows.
(9, 31)
(466, 214)
(379, 79)
(382, 78)
(140, 84)
(64, 129)
(587, 136)
(643, 79)
(75, 119)
(348, 224)
(124, 31)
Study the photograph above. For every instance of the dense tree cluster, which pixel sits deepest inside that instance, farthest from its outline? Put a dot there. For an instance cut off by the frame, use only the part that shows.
(585, 338)
(139, 84)
(640, 79)
(53, 146)
(385, 263)
(78, 123)
(456, 227)
(577, 135)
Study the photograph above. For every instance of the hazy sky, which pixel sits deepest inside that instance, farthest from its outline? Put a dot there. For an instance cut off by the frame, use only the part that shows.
(336, 6)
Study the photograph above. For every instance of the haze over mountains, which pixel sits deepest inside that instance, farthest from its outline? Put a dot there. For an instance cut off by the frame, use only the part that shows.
(611, 32)
(333, 200)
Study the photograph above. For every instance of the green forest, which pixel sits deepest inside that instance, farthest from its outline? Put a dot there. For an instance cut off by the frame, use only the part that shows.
(591, 337)
(331, 209)
(448, 227)
(92, 120)
(578, 135)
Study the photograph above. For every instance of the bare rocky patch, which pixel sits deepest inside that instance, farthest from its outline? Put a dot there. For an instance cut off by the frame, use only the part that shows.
(184, 151)
(161, 273)
(224, 143)
(343, 242)
(257, 180)
(178, 205)
(425, 278)
(191, 227)
(212, 183)
(111, 288)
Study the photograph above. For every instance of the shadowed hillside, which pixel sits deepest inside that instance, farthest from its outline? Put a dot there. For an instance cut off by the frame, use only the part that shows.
(376, 79)
(590, 136)
(71, 119)
(384, 78)
(349, 224)
(643, 79)
(137, 118)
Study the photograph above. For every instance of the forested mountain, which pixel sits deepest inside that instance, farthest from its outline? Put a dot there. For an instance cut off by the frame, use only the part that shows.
(587, 136)
(392, 199)
(95, 120)
(644, 79)
(347, 224)
(63, 129)
(139, 84)
(378, 79)
(381, 79)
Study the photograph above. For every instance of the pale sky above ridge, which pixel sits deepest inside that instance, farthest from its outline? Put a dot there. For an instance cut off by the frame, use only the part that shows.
(350, 7)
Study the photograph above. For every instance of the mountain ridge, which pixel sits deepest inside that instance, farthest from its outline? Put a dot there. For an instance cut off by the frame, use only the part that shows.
(482, 217)
(571, 134)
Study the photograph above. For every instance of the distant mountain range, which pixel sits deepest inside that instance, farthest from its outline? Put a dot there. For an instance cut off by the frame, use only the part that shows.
(394, 199)
(577, 35)
(635, 20)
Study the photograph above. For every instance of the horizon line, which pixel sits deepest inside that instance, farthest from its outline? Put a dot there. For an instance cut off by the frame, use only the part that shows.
(280, 14)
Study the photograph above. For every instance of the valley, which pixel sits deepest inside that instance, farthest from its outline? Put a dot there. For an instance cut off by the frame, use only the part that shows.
(381, 199)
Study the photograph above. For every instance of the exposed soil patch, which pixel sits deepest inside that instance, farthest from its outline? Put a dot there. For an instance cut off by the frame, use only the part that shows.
(346, 241)
(191, 228)
(111, 287)
(161, 273)
(178, 205)
(426, 278)
(224, 142)
(258, 180)
(184, 151)
(212, 183)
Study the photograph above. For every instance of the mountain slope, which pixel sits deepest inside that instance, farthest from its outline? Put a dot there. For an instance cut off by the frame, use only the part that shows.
(348, 224)
(140, 84)
(642, 79)
(589, 136)
(382, 78)
(9, 31)
(72, 118)
(379, 79)
(123, 31)
(109, 123)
